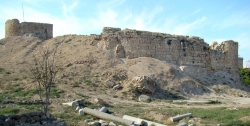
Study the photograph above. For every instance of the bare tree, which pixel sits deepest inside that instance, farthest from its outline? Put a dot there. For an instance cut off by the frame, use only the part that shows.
(44, 70)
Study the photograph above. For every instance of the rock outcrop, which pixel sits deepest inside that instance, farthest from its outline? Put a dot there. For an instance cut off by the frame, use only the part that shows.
(144, 84)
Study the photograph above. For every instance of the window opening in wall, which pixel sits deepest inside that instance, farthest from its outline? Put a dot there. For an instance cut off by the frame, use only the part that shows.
(169, 42)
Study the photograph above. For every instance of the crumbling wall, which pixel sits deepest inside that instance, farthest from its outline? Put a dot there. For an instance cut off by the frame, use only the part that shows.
(190, 52)
(240, 62)
(15, 28)
(181, 50)
(231, 55)
(12, 28)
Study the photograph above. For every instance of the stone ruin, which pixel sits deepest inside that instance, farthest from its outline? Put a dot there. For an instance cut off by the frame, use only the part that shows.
(192, 55)
(41, 30)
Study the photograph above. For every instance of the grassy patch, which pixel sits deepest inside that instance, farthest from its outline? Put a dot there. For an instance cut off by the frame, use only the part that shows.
(67, 41)
(214, 102)
(56, 92)
(208, 116)
(76, 84)
(9, 111)
(31, 107)
(1, 70)
(21, 93)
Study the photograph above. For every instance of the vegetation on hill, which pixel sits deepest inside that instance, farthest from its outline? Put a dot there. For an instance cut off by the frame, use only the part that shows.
(245, 73)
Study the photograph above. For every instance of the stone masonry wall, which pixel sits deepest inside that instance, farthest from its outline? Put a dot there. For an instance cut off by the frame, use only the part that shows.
(177, 49)
(240, 62)
(41, 30)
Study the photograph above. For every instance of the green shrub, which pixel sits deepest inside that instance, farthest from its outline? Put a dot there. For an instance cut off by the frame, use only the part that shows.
(76, 84)
(245, 73)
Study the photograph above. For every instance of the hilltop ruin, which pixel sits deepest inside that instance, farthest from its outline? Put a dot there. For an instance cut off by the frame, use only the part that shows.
(193, 55)
(42, 30)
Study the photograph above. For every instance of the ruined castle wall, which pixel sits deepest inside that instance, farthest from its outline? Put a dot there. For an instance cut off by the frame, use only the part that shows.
(217, 56)
(181, 50)
(189, 52)
(217, 60)
(41, 30)
(231, 55)
(12, 28)
(240, 62)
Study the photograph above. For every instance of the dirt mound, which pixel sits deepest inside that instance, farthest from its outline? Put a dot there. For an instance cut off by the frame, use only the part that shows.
(84, 64)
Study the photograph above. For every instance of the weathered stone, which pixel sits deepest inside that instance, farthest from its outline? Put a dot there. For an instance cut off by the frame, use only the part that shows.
(88, 120)
(119, 51)
(105, 124)
(144, 84)
(183, 124)
(117, 87)
(28, 29)
(109, 83)
(75, 103)
(99, 101)
(78, 108)
(144, 98)
(94, 123)
(81, 112)
(112, 124)
(103, 109)
(43, 117)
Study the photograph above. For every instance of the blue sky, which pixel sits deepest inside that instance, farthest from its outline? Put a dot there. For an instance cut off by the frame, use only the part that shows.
(213, 20)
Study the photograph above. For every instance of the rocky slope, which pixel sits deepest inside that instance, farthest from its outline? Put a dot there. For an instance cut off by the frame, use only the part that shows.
(96, 70)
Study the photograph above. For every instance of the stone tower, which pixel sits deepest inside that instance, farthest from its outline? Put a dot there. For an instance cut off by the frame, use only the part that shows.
(40, 30)
(231, 55)
(12, 28)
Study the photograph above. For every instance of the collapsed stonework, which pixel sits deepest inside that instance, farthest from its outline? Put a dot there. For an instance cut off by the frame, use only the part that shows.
(41, 30)
(191, 53)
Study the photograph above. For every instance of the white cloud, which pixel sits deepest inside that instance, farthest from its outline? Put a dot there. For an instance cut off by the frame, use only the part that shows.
(239, 19)
(141, 21)
(196, 11)
(68, 9)
(111, 3)
(188, 27)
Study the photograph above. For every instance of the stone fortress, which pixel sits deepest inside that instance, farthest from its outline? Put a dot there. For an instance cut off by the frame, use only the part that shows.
(14, 28)
(190, 53)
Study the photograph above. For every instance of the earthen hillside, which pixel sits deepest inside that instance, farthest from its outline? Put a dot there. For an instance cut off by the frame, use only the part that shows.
(84, 62)
(118, 68)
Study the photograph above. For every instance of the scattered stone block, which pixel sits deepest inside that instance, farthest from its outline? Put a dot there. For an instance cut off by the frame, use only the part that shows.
(98, 101)
(103, 109)
(81, 112)
(109, 83)
(144, 84)
(78, 108)
(75, 103)
(144, 98)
